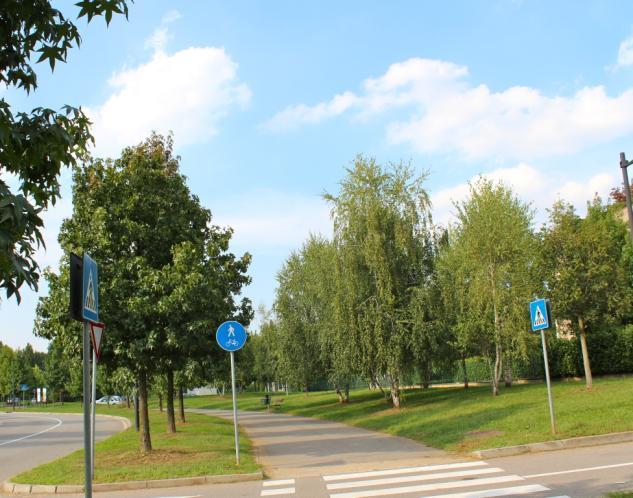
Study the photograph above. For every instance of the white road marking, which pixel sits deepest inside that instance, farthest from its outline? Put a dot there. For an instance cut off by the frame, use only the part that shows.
(404, 470)
(59, 422)
(419, 477)
(488, 493)
(586, 469)
(429, 487)
(280, 491)
(189, 496)
(280, 482)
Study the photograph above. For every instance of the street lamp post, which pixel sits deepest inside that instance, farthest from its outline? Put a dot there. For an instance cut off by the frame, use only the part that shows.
(624, 164)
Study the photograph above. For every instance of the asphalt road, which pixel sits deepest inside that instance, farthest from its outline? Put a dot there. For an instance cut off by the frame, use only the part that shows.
(308, 458)
(29, 439)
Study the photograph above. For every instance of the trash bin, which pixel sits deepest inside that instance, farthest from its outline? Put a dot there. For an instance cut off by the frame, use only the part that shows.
(266, 400)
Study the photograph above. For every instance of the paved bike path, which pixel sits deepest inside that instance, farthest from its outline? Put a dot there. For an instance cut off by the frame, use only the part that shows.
(292, 446)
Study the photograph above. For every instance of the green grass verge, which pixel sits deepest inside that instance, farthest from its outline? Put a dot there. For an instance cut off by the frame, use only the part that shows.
(201, 446)
(467, 419)
(620, 494)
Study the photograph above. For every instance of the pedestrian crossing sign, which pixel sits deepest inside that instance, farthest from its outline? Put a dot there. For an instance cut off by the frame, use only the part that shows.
(539, 315)
(90, 299)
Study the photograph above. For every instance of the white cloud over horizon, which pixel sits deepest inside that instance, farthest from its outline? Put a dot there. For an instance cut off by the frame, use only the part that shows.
(267, 219)
(625, 52)
(188, 92)
(532, 186)
(447, 114)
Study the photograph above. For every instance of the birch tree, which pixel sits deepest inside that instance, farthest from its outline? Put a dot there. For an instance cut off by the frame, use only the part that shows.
(380, 219)
(492, 253)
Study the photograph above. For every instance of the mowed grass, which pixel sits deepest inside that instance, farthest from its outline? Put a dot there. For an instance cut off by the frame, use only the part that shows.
(202, 446)
(465, 420)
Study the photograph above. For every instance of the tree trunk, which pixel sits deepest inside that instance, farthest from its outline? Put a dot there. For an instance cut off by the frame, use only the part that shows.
(171, 416)
(339, 394)
(146, 440)
(426, 375)
(507, 370)
(160, 402)
(395, 392)
(346, 394)
(585, 352)
(377, 384)
(496, 373)
(181, 402)
(465, 372)
(127, 399)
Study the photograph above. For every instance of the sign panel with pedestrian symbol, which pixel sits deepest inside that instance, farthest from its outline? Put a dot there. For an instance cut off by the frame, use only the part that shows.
(231, 336)
(90, 295)
(539, 315)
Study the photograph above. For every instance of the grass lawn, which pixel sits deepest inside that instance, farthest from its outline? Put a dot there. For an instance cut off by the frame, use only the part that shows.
(466, 419)
(202, 446)
(621, 494)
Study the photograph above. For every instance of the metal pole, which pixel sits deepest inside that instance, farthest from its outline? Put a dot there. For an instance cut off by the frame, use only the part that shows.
(624, 164)
(549, 386)
(237, 440)
(86, 389)
(93, 400)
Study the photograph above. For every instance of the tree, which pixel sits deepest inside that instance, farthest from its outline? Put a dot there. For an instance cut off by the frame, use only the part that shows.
(57, 370)
(131, 215)
(490, 254)
(34, 146)
(585, 267)
(381, 219)
(197, 292)
(303, 314)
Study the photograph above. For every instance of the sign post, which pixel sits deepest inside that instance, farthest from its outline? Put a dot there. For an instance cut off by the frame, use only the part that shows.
(540, 318)
(90, 314)
(231, 336)
(96, 334)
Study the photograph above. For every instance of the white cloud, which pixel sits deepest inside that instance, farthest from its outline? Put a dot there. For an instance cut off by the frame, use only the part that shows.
(447, 114)
(625, 52)
(267, 219)
(188, 92)
(532, 186)
(160, 36)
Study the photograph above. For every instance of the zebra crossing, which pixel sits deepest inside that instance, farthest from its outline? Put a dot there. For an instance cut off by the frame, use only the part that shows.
(473, 479)
(278, 488)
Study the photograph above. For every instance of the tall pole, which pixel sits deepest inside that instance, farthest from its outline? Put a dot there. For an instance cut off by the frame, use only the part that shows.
(93, 403)
(237, 440)
(624, 164)
(86, 389)
(549, 385)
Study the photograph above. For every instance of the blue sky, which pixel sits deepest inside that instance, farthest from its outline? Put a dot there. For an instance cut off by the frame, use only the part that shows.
(270, 101)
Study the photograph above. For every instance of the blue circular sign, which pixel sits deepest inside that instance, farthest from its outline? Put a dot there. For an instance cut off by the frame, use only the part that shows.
(231, 336)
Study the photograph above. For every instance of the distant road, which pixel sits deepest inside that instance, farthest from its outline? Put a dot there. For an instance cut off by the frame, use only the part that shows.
(30, 439)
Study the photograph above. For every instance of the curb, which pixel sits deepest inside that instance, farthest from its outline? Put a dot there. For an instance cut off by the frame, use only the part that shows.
(559, 444)
(19, 489)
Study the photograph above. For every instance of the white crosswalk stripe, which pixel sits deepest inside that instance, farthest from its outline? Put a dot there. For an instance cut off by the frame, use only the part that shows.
(473, 479)
(278, 491)
(422, 477)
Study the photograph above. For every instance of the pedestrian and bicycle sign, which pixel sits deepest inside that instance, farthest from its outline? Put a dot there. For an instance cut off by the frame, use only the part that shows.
(539, 315)
(231, 336)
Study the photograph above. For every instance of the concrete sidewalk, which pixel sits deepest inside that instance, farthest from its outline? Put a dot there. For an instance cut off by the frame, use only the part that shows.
(289, 446)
